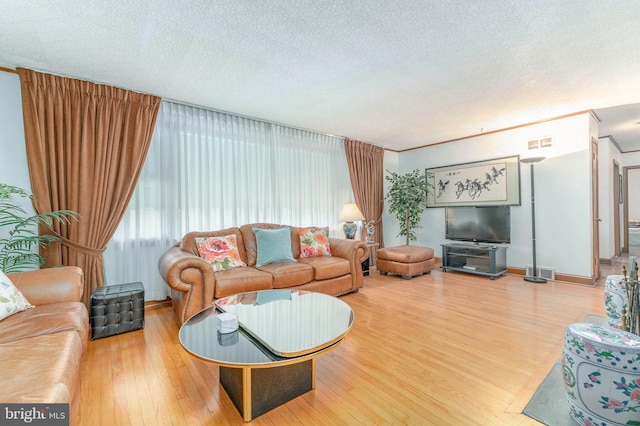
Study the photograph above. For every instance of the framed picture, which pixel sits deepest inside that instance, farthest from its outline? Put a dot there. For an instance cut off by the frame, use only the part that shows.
(494, 182)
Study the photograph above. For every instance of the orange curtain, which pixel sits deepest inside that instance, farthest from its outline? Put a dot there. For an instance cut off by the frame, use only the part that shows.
(86, 145)
(366, 170)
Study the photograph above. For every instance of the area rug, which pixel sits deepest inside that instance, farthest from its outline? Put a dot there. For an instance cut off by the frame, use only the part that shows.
(549, 403)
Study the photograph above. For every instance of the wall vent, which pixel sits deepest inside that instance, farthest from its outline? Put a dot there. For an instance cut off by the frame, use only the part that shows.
(545, 142)
(543, 272)
(539, 143)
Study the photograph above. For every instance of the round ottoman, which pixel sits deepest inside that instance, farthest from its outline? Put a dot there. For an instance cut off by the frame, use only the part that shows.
(615, 298)
(601, 370)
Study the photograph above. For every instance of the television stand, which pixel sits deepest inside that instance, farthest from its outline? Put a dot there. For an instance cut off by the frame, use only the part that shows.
(485, 259)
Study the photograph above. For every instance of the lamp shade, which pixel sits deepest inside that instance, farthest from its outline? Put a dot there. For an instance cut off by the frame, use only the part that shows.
(531, 160)
(350, 212)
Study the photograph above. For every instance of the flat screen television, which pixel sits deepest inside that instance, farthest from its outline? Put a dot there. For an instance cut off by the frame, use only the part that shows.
(482, 224)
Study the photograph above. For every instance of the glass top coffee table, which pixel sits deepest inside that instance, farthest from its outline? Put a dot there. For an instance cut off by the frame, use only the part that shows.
(270, 359)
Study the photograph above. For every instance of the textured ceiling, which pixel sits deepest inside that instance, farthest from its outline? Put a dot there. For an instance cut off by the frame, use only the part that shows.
(398, 74)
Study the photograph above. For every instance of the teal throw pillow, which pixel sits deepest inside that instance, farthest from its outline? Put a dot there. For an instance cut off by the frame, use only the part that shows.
(274, 245)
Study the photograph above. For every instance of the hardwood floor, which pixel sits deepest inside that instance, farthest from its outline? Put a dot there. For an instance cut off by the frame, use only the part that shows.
(444, 348)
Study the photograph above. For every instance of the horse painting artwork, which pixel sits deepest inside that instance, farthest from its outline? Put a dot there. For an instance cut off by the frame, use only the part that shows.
(442, 186)
(485, 183)
(488, 182)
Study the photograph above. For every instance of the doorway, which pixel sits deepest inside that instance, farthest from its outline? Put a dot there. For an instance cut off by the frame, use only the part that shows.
(631, 216)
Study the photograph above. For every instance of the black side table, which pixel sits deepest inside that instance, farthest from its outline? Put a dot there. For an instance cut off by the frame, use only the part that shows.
(371, 260)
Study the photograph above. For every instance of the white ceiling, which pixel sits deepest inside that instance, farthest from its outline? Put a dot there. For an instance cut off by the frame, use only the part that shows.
(398, 74)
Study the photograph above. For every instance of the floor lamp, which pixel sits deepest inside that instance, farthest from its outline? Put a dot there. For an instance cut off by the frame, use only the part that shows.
(534, 278)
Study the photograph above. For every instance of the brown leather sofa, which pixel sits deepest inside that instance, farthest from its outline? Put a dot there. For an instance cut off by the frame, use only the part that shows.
(41, 348)
(194, 284)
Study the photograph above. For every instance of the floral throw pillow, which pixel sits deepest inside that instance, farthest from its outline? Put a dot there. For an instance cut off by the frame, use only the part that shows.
(12, 300)
(221, 252)
(314, 241)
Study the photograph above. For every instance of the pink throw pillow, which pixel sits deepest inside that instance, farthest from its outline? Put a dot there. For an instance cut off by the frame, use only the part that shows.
(221, 252)
(314, 241)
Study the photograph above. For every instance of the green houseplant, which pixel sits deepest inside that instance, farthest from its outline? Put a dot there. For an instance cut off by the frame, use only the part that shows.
(18, 230)
(407, 199)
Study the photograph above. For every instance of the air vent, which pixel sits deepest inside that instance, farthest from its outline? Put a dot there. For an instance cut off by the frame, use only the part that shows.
(540, 143)
(543, 272)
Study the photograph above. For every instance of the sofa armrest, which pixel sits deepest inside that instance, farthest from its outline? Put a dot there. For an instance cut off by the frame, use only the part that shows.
(191, 279)
(50, 285)
(356, 252)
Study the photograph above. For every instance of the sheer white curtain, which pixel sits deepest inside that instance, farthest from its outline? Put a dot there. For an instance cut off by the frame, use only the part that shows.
(208, 170)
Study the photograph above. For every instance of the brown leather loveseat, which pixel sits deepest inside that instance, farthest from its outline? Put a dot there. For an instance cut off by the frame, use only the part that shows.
(195, 285)
(41, 347)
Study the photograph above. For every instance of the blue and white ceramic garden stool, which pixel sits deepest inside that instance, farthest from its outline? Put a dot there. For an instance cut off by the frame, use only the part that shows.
(615, 298)
(601, 369)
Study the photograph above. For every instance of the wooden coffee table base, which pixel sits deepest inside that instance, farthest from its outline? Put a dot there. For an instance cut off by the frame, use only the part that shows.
(254, 391)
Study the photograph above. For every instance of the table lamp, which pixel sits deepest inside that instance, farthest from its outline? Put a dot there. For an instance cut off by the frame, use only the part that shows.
(350, 213)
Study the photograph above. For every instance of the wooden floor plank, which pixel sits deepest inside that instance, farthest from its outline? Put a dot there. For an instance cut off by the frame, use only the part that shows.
(443, 348)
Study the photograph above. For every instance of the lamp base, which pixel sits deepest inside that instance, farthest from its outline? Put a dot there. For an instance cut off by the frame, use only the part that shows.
(350, 229)
(537, 280)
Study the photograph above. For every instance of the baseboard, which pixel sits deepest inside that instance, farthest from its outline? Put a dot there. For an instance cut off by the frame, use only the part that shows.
(575, 279)
(611, 261)
(149, 304)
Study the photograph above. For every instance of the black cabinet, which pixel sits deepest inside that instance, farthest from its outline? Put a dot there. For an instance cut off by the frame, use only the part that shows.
(487, 260)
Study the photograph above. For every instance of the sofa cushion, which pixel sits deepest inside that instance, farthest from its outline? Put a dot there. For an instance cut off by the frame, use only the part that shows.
(333, 286)
(221, 252)
(249, 238)
(12, 300)
(47, 319)
(42, 369)
(314, 241)
(325, 267)
(188, 242)
(288, 274)
(273, 245)
(240, 280)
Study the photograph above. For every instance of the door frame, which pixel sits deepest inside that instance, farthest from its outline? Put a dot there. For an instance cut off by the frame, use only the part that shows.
(595, 216)
(625, 201)
(617, 190)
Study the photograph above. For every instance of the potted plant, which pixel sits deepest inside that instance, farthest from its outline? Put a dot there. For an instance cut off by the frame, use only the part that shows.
(18, 230)
(407, 199)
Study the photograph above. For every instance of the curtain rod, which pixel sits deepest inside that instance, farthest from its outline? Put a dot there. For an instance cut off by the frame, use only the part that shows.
(13, 71)
(251, 118)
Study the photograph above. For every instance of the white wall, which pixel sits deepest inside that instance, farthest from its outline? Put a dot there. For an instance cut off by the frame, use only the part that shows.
(391, 227)
(562, 185)
(634, 194)
(13, 154)
(630, 159)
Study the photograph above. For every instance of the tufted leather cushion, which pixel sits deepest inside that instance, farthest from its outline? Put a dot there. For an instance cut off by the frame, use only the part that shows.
(405, 254)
